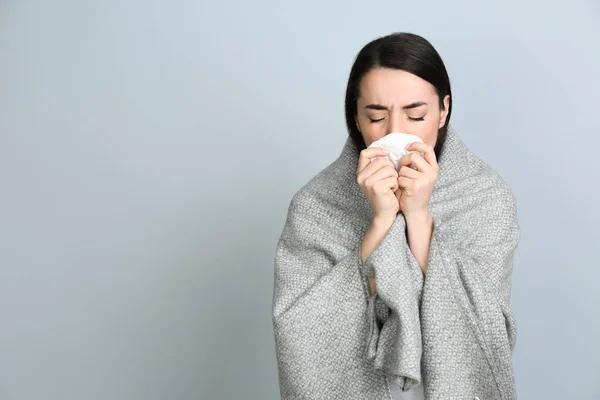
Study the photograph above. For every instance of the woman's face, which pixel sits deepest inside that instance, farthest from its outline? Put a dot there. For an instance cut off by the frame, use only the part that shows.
(393, 100)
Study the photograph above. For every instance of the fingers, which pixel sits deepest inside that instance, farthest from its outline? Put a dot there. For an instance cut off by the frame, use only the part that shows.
(394, 183)
(381, 163)
(385, 185)
(405, 183)
(408, 172)
(365, 156)
(415, 160)
(398, 192)
(388, 178)
(428, 153)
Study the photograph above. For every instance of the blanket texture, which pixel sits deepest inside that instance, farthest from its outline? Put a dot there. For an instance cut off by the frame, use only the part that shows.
(450, 329)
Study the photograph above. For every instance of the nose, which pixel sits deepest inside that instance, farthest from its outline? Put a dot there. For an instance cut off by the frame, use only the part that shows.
(397, 122)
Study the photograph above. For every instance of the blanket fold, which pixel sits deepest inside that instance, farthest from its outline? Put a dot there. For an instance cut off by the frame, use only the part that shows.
(451, 329)
(396, 348)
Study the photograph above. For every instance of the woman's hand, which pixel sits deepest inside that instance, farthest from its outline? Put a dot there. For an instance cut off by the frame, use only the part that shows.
(379, 181)
(416, 185)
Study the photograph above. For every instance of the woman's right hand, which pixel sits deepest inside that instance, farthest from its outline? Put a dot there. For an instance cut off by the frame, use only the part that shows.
(379, 182)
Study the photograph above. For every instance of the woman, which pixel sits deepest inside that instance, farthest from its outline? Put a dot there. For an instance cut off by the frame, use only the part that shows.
(396, 284)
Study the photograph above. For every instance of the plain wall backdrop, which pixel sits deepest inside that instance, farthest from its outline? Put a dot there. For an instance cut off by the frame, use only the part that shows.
(149, 151)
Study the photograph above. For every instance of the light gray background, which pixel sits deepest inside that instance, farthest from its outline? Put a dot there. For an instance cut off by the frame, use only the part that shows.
(149, 151)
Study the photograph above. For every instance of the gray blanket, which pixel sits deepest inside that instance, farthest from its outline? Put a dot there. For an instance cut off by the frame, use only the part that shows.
(450, 329)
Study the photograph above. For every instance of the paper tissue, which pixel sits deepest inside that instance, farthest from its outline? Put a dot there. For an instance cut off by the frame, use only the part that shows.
(395, 143)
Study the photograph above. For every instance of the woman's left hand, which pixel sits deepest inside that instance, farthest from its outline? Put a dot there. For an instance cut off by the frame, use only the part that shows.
(416, 185)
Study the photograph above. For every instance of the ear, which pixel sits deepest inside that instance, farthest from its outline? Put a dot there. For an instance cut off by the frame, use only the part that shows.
(444, 113)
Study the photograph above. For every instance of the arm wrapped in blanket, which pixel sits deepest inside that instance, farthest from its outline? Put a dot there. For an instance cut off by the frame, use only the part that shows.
(323, 316)
(466, 319)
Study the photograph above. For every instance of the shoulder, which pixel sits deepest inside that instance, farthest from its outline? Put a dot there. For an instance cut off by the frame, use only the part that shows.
(323, 189)
(330, 206)
(491, 182)
(468, 175)
(474, 201)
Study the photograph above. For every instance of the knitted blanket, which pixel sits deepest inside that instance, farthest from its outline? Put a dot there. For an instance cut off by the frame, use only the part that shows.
(450, 329)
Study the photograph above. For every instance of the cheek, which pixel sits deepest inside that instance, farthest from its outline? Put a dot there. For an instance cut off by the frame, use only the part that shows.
(372, 132)
(428, 132)
(370, 138)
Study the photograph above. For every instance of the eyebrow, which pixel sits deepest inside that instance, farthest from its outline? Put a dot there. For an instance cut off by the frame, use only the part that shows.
(406, 107)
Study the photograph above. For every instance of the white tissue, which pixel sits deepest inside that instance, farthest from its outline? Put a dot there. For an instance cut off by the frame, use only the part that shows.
(395, 143)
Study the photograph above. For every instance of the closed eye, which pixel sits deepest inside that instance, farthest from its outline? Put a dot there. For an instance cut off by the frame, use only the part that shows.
(411, 118)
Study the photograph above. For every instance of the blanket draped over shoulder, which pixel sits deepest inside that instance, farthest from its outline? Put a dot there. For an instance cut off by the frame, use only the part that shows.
(450, 329)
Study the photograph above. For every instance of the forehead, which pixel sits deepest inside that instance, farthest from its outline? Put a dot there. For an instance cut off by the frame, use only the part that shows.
(390, 86)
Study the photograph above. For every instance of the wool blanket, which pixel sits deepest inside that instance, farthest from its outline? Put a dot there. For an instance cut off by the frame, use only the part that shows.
(451, 329)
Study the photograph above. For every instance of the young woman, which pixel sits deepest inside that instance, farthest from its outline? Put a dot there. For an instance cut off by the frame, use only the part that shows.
(395, 284)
